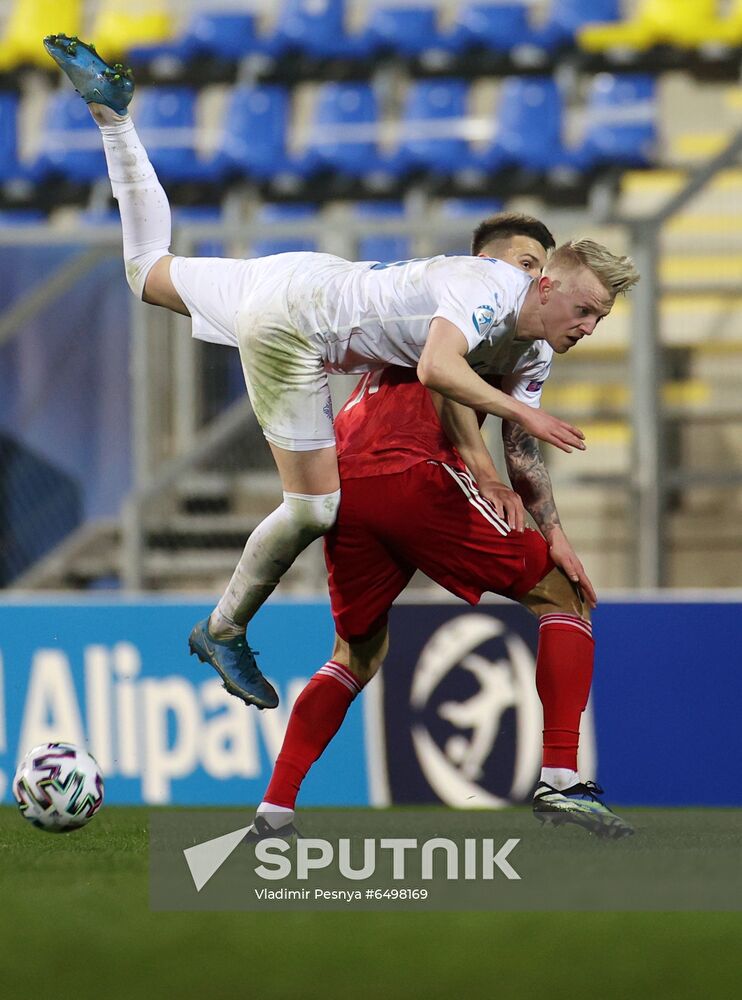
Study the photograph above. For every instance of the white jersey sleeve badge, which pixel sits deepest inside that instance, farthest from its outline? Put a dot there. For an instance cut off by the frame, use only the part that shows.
(484, 319)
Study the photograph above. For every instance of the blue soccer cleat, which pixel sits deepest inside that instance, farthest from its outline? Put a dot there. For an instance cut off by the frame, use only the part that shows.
(579, 804)
(94, 80)
(234, 661)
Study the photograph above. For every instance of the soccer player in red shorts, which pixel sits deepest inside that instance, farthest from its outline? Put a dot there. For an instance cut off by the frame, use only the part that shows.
(404, 484)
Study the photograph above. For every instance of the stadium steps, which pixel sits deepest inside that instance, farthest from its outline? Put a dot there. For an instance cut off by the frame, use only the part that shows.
(192, 541)
(88, 555)
(194, 538)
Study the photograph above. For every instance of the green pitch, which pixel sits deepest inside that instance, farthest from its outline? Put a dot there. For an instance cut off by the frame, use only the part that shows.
(75, 923)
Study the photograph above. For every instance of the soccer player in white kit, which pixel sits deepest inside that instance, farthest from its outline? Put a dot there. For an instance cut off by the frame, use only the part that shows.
(296, 317)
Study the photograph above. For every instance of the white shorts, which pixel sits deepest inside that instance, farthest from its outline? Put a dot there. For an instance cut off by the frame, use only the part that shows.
(284, 374)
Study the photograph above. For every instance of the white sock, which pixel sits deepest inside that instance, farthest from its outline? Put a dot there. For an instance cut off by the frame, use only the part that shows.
(559, 777)
(143, 204)
(270, 551)
(275, 816)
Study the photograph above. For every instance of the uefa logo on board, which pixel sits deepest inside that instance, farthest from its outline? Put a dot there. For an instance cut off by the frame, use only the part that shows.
(477, 718)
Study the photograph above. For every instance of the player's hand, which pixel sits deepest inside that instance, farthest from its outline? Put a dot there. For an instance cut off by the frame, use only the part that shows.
(558, 432)
(506, 502)
(566, 559)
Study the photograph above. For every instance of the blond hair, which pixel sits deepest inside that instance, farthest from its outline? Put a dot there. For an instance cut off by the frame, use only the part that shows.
(616, 274)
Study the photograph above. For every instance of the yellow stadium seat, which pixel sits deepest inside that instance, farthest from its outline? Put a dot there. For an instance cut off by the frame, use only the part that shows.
(122, 24)
(725, 31)
(27, 24)
(657, 22)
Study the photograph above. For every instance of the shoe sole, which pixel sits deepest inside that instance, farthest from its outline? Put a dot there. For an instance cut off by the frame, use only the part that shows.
(58, 52)
(227, 683)
(606, 829)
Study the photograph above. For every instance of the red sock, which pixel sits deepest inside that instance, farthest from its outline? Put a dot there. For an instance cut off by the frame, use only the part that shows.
(316, 716)
(564, 673)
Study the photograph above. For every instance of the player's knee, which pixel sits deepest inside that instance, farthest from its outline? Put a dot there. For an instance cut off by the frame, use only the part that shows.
(557, 593)
(139, 269)
(314, 515)
(363, 657)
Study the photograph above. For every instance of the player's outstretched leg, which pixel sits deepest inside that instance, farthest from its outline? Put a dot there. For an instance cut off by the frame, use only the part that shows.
(234, 661)
(146, 225)
(94, 79)
(143, 204)
(580, 804)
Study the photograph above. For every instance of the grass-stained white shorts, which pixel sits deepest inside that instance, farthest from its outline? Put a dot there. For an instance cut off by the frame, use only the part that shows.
(284, 373)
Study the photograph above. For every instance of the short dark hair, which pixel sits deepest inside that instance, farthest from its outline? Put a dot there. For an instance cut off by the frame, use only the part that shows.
(503, 225)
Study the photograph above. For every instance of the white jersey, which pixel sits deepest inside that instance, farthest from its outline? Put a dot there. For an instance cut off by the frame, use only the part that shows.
(297, 316)
(369, 315)
(524, 370)
(361, 316)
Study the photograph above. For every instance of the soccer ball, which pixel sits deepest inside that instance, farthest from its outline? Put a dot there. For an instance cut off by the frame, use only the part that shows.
(58, 787)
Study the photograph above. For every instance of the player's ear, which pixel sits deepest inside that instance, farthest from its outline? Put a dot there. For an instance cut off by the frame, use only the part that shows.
(545, 287)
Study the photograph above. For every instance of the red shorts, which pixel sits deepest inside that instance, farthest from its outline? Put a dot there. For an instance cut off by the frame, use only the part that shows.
(432, 518)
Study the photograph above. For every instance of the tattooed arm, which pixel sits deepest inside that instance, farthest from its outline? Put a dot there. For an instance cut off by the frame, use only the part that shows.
(530, 478)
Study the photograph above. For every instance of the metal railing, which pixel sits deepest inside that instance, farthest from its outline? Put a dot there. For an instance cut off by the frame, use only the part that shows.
(163, 457)
(649, 473)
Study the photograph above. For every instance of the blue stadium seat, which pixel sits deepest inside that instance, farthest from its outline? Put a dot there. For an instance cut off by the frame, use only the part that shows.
(228, 35)
(403, 30)
(621, 121)
(288, 212)
(166, 121)
(479, 208)
(566, 17)
(256, 124)
(344, 132)
(315, 28)
(10, 167)
(498, 27)
(71, 145)
(20, 218)
(383, 246)
(432, 135)
(529, 127)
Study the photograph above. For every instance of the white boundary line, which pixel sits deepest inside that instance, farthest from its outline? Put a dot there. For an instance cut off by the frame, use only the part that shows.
(435, 595)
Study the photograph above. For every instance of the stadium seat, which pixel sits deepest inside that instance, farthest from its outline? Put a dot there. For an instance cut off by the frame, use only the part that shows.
(28, 22)
(382, 246)
(404, 30)
(315, 28)
(656, 22)
(529, 127)
(433, 127)
(70, 143)
(496, 27)
(253, 143)
(475, 208)
(229, 36)
(621, 119)
(9, 165)
(166, 121)
(277, 213)
(21, 217)
(567, 17)
(122, 24)
(722, 32)
(344, 133)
